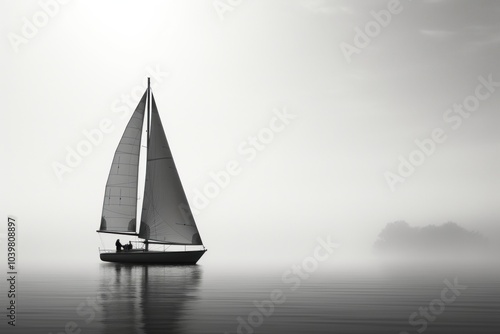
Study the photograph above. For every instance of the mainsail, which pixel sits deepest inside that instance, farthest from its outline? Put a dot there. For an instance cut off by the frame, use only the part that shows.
(166, 215)
(120, 198)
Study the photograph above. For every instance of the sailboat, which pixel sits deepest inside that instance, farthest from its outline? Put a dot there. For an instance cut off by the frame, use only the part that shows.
(166, 217)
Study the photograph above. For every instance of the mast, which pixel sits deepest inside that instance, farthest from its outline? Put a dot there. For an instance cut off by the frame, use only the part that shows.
(146, 242)
(149, 105)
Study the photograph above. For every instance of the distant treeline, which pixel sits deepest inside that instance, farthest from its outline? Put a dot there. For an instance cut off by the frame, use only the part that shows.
(399, 238)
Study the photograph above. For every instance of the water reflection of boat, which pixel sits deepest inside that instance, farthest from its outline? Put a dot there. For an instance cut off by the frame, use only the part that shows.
(146, 299)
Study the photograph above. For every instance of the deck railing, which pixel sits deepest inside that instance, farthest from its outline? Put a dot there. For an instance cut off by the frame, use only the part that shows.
(154, 247)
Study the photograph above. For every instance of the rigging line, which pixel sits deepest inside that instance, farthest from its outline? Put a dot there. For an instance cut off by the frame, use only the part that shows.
(122, 180)
(122, 196)
(125, 145)
(131, 136)
(127, 149)
(116, 229)
(126, 184)
(168, 158)
(121, 215)
(122, 184)
(124, 174)
(130, 140)
(125, 164)
(122, 145)
(113, 208)
(117, 187)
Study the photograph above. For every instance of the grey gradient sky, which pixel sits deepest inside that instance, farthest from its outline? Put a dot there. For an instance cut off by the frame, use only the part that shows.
(322, 175)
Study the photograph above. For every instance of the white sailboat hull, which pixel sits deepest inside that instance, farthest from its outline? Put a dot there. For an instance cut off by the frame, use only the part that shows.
(156, 257)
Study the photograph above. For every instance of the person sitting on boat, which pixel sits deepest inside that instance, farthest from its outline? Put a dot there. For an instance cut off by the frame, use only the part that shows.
(118, 245)
(127, 246)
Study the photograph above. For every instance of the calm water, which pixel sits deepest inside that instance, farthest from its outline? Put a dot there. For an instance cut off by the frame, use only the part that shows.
(199, 299)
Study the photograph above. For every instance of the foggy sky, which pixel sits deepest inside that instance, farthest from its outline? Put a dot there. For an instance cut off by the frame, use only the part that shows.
(219, 79)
